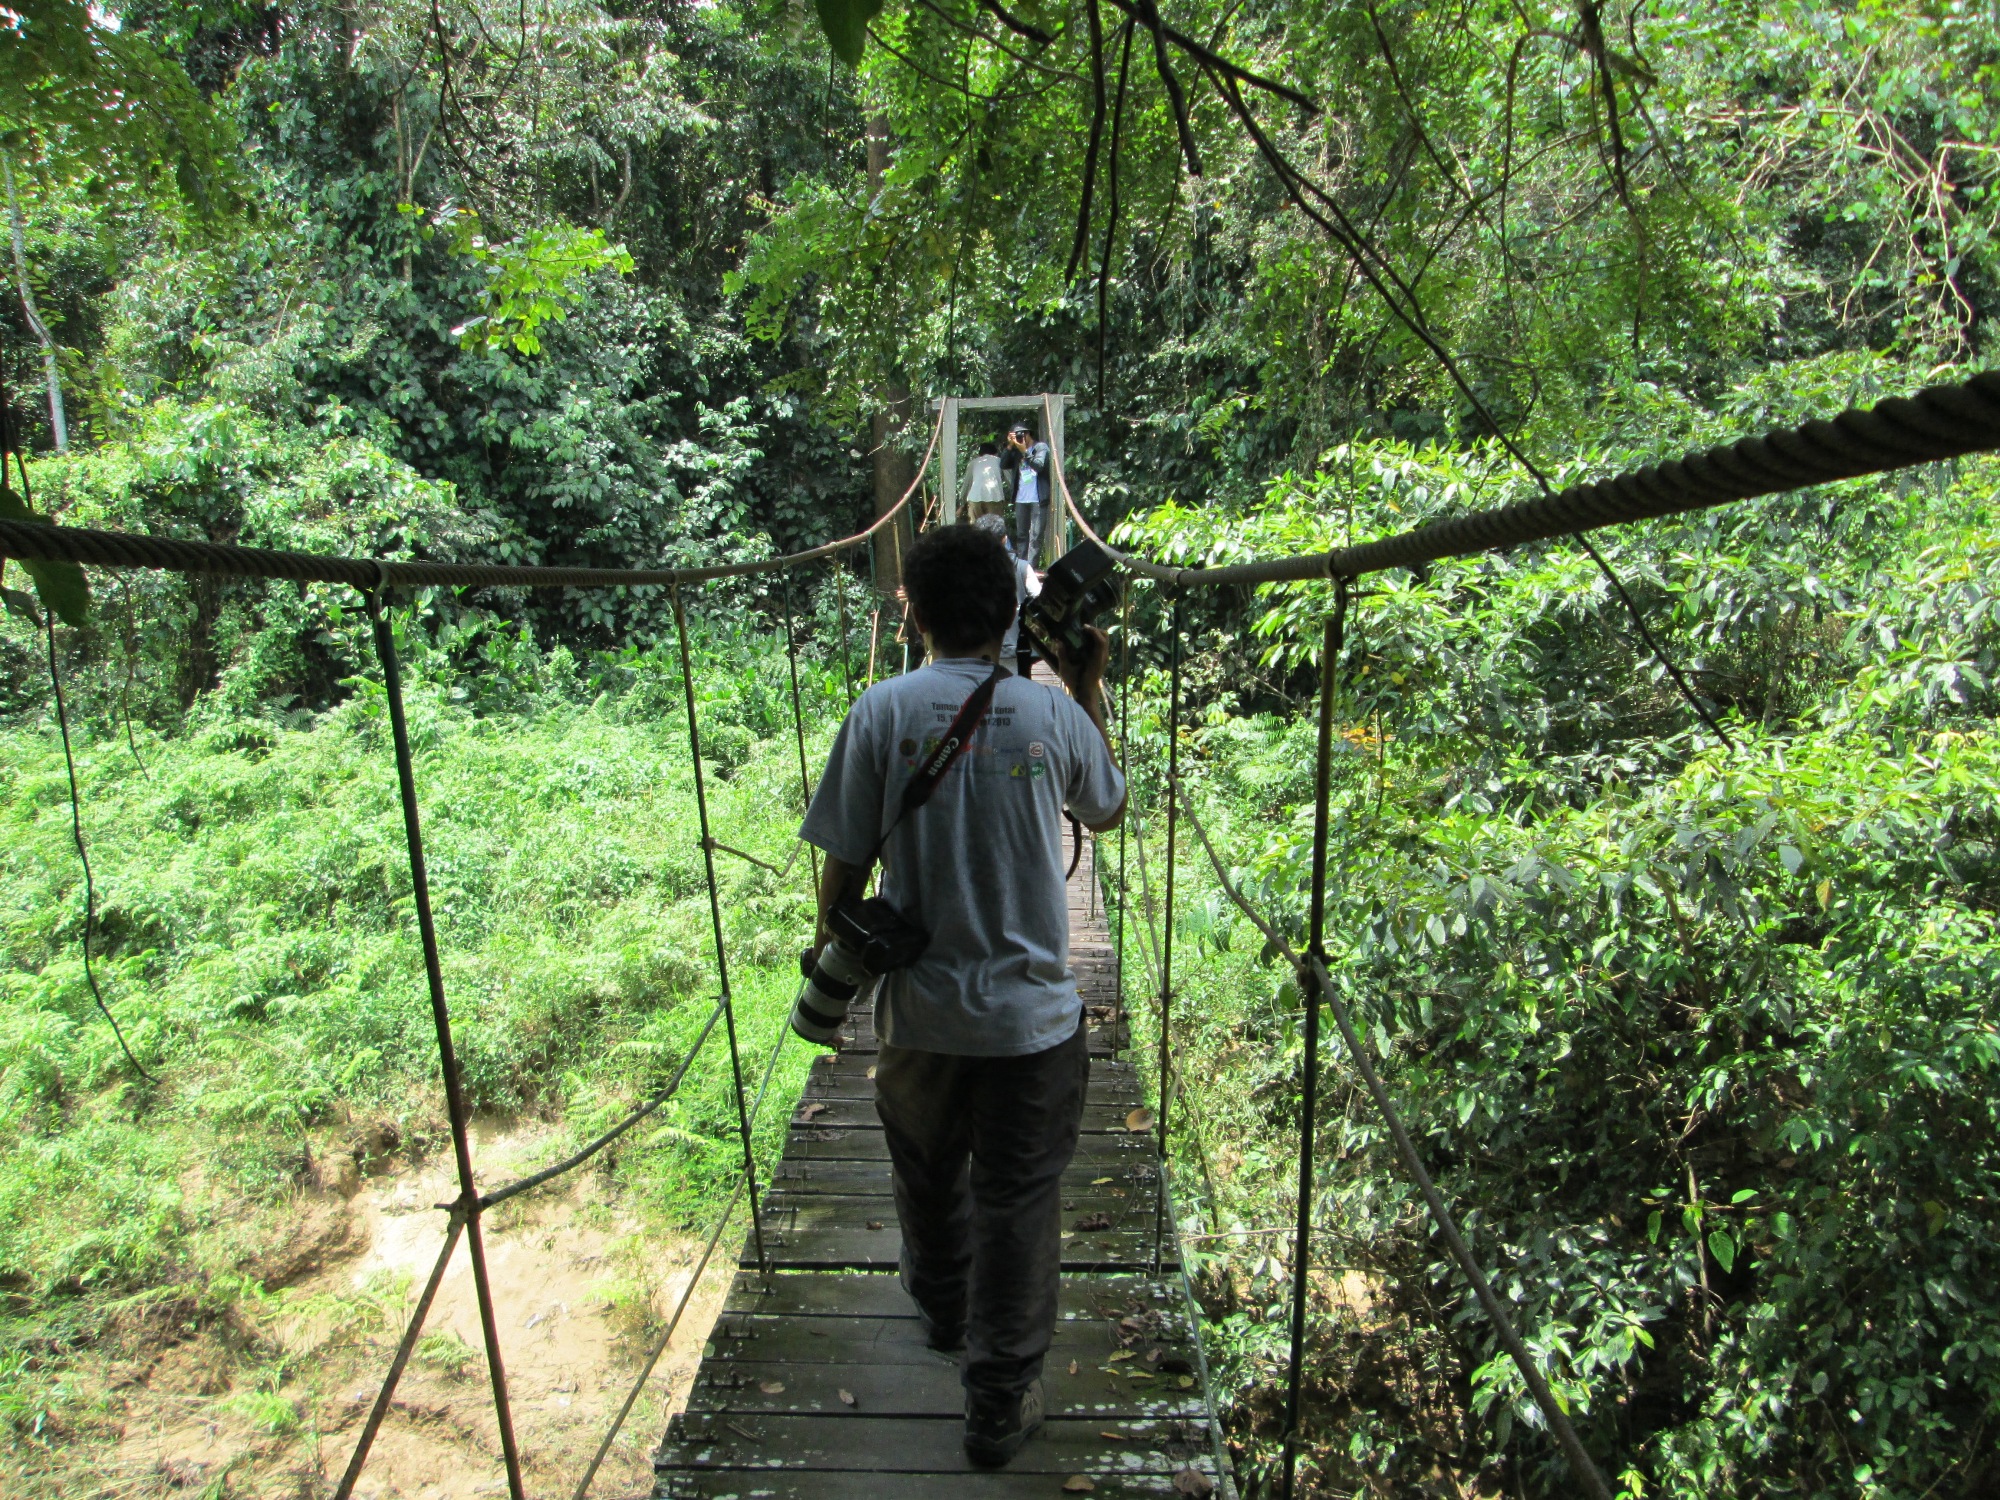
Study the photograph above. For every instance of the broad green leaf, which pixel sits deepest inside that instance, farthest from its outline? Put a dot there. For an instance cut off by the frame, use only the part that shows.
(61, 585)
(1723, 1248)
(845, 23)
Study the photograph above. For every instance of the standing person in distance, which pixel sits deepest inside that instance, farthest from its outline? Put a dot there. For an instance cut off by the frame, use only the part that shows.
(1031, 491)
(986, 486)
(983, 1064)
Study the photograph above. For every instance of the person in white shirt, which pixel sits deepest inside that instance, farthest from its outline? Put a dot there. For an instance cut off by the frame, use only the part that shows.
(985, 486)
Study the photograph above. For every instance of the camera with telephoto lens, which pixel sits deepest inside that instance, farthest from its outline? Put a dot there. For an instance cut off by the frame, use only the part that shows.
(870, 938)
(1077, 586)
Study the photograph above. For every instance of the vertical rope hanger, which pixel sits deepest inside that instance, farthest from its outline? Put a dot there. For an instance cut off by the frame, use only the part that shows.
(840, 609)
(1124, 750)
(799, 720)
(1167, 936)
(721, 952)
(468, 1206)
(1330, 644)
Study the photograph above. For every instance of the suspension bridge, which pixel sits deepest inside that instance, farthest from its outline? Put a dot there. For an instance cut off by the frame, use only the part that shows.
(818, 1382)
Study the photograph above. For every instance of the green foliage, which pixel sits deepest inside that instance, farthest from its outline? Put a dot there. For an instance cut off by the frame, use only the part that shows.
(84, 96)
(255, 937)
(532, 280)
(1703, 1046)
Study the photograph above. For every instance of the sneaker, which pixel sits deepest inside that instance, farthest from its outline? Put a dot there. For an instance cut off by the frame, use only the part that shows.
(996, 1425)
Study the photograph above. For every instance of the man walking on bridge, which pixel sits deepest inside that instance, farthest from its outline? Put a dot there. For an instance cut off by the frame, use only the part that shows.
(981, 1077)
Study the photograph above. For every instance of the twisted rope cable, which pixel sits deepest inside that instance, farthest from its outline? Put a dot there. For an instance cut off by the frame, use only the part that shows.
(1938, 422)
(34, 541)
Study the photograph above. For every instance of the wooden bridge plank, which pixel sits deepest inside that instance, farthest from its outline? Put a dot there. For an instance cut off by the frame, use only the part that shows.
(843, 1248)
(870, 1294)
(892, 1445)
(900, 1339)
(931, 1389)
(814, 1143)
(1003, 1484)
(1131, 1175)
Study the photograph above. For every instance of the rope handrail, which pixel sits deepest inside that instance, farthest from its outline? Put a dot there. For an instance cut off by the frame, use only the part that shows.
(42, 541)
(1938, 422)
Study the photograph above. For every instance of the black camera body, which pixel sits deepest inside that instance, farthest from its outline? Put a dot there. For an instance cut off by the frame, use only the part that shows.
(870, 938)
(881, 937)
(1077, 587)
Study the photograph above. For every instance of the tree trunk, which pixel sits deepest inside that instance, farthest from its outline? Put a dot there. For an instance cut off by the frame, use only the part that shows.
(893, 469)
(58, 418)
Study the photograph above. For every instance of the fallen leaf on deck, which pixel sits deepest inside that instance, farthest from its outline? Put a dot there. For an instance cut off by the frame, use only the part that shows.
(1118, 1354)
(871, 1071)
(811, 1112)
(846, 1396)
(1072, 1367)
(1194, 1482)
(1153, 1355)
(1116, 1437)
(1099, 1220)
(771, 1387)
(874, 1223)
(1186, 1382)
(1100, 1181)
(1079, 1484)
(1139, 1119)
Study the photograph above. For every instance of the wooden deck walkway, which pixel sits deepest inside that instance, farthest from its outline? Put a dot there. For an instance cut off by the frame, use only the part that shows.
(821, 1387)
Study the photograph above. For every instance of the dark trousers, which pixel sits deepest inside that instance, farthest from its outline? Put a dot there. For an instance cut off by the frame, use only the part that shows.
(979, 1146)
(1028, 523)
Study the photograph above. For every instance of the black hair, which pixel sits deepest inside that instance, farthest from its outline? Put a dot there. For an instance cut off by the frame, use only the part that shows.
(1023, 428)
(960, 580)
(988, 450)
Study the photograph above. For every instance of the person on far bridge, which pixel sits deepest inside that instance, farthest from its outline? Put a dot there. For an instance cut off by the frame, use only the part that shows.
(985, 485)
(1031, 491)
(984, 1058)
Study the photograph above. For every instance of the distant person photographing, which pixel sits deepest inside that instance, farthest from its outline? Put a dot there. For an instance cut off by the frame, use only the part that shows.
(983, 1065)
(1031, 490)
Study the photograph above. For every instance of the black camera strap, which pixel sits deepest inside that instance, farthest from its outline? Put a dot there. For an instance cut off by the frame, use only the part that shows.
(958, 735)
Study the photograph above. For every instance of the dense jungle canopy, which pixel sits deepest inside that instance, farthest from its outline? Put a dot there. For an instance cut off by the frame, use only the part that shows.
(1703, 1037)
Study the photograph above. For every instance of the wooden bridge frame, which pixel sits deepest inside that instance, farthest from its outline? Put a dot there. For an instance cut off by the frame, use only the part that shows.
(1050, 405)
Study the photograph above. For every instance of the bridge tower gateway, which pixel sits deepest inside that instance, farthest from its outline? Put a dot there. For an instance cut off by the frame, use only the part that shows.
(1048, 408)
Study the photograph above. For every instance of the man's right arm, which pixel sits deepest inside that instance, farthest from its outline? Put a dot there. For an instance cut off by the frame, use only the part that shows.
(1085, 681)
(845, 812)
(836, 879)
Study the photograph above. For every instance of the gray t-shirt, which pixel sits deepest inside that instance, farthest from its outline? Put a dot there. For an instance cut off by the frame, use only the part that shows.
(979, 866)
